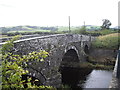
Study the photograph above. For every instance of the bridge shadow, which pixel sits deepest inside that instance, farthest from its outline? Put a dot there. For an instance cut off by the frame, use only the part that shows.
(72, 75)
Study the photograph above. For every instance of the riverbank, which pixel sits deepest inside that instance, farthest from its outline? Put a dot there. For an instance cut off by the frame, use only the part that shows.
(99, 58)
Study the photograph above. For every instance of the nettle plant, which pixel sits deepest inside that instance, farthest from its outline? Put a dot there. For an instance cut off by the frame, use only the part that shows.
(13, 66)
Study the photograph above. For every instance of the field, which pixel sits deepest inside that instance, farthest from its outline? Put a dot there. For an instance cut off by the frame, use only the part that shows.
(103, 32)
(29, 30)
(110, 41)
(33, 30)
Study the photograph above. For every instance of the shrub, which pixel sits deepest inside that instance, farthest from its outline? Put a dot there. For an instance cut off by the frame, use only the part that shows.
(13, 67)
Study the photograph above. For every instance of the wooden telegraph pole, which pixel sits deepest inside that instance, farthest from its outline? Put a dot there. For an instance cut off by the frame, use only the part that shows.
(69, 24)
(84, 24)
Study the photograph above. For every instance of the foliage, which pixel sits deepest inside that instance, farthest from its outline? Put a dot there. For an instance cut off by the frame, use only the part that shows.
(98, 66)
(26, 29)
(13, 67)
(106, 24)
(81, 30)
(107, 31)
(9, 44)
(65, 87)
(101, 32)
(110, 41)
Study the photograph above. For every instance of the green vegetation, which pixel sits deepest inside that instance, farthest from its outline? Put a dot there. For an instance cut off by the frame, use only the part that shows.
(102, 32)
(110, 41)
(81, 30)
(106, 24)
(96, 31)
(13, 67)
(96, 66)
(28, 30)
(23, 31)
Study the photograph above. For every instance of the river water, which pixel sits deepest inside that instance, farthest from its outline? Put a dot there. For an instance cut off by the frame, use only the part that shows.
(98, 79)
(84, 78)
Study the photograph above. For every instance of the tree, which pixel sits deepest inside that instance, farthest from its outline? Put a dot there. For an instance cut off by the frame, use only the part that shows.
(106, 24)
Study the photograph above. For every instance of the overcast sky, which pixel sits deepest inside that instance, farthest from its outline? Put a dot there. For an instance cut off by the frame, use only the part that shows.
(56, 12)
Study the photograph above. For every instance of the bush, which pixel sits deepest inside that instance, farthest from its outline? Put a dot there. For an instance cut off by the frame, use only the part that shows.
(13, 67)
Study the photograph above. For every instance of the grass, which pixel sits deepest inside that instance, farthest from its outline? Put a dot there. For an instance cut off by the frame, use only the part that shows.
(61, 29)
(65, 28)
(102, 32)
(96, 66)
(35, 30)
(110, 41)
(82, 30)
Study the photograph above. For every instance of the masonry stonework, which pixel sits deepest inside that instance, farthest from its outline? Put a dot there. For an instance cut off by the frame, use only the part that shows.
(56, 45)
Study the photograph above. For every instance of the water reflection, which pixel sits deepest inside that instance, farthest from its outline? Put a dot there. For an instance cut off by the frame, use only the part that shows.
(85, 78)
(74, 77)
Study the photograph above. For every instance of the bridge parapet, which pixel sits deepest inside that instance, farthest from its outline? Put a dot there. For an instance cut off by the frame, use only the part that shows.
(115, 83)
(57, 46)
(33, 44)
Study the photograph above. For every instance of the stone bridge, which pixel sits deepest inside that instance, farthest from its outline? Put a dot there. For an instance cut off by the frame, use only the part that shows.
(62, 48)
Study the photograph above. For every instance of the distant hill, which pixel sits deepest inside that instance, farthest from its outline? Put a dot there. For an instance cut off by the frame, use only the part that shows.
(92, 27)
(117, 27)
(25, 28)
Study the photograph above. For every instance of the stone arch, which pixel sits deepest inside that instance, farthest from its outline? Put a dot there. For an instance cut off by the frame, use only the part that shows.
(70, 56)
(69, 73)
(71, 47)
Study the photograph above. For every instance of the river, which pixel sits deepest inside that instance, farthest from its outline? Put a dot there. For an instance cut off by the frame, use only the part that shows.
(98, 79)
(86, 78)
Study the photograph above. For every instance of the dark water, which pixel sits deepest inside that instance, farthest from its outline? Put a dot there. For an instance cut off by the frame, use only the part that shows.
(85, 78)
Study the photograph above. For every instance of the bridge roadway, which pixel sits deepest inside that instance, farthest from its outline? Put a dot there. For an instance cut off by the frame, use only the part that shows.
(60, 48)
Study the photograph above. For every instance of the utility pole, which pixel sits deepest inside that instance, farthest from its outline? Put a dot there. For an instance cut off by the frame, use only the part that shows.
(69, 24)
(84, 24)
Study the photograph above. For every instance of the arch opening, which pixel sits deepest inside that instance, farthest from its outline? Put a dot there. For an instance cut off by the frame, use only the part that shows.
(74, 77)
(71, 56)
(69, 74)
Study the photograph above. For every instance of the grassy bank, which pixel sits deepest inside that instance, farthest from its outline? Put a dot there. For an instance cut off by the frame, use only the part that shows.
(96, 66)
(110, 41)
(102, 32)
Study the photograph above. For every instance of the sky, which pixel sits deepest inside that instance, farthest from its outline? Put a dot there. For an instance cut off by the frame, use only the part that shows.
(56, 12)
